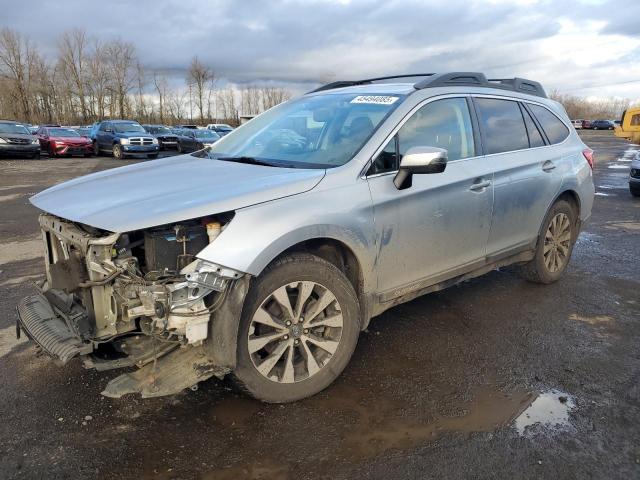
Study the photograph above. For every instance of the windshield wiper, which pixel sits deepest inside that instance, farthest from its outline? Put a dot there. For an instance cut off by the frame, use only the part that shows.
(248, 160)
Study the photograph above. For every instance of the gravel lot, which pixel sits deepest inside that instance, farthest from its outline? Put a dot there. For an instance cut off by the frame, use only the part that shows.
(442, 387)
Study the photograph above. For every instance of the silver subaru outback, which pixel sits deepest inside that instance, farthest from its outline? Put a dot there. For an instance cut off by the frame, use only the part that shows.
(265, 255)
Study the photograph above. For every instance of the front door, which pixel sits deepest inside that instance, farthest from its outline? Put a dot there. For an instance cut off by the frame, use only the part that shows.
(438, 227)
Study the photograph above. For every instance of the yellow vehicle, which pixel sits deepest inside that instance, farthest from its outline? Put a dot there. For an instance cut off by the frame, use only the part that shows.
(629, 127)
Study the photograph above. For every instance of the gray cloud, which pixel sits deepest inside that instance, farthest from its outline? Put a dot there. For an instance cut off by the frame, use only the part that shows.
(303, 42)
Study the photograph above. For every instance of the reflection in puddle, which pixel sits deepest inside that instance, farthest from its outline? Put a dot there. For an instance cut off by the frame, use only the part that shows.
(550, 409)
(374, 427)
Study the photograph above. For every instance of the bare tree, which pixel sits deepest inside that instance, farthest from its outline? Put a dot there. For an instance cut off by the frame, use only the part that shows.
(73, 59)
(99, 80)
(121, 59)
(200, 78)
(250, 100)
(272, 96)
(17, 57)
(160, 85)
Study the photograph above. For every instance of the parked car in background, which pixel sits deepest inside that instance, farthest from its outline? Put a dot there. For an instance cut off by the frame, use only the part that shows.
(57, 140)
(191, 140)
(221, 129)
(182, 127)
(123, 138)
(166, 137)
(634, 176)
(264, 257)
(16, 139)
(84, 131)
(586, 124)
(577, 124)
(602, 125)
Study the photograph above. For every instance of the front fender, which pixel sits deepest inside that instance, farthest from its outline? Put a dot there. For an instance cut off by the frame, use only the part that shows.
(259, 233)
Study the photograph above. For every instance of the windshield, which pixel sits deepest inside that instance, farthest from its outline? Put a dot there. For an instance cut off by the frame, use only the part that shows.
(161, 130)
(322, 131)
(63, 132)
(13, 128)
(128, 127)
(206, 134)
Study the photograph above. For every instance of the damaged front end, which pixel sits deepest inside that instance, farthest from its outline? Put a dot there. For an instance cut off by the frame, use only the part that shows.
(137, 299)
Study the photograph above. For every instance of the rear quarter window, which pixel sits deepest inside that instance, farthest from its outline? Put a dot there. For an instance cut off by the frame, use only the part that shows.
(555, 129)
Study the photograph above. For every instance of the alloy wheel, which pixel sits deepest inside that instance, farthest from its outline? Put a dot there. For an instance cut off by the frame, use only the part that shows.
(295, 332)
(557, 243)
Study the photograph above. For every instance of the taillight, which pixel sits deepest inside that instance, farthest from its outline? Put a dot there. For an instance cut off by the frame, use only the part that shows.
(588, 155)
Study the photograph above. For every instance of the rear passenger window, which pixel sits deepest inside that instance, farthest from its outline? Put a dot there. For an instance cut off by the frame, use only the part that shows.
(554, 128)
(535, 138)
(502, 125)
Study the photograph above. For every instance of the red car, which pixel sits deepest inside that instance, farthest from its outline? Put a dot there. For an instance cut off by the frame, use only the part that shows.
(56, 140)
(586, 124)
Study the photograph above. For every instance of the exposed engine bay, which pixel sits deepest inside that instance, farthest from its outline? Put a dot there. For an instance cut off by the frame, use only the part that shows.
(128, 299)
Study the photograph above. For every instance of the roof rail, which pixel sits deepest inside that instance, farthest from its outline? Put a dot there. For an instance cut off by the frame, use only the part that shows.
(351, 83)
(476, 79)
(431, 80)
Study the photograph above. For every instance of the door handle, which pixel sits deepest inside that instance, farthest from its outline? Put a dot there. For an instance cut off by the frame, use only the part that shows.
(548, 166)
(475, 187)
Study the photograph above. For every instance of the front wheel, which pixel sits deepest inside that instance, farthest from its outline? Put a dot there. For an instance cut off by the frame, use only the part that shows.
(635, 191)
(555, 245)
(117, 152)
(179, 148)
(298, 329)
(152, 156)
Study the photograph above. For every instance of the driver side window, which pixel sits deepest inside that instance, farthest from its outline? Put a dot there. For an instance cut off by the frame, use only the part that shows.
(443, 123)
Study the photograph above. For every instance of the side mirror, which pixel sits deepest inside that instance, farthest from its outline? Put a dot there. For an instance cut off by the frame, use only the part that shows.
(419, 160)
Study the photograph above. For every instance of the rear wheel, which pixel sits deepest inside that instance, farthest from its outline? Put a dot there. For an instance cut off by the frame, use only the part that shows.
(555, 244)
(298, 329)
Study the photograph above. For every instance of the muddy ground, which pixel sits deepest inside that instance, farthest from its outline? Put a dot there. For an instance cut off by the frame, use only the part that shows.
(447, 386)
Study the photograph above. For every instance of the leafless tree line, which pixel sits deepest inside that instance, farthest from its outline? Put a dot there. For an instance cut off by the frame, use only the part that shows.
(91, 80)
(580, 108)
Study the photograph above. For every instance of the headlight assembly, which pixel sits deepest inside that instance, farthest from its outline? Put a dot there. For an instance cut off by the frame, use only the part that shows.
(124, 141)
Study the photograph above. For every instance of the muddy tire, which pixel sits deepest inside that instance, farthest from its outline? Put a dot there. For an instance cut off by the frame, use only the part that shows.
(635, 191)
(298, 329)
(555, 245)
(96, 148)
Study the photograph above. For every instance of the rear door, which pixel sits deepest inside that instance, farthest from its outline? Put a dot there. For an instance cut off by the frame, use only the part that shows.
(438, 227)
(525, 171)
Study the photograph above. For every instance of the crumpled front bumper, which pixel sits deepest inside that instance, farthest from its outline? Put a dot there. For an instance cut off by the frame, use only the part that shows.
(49, 329)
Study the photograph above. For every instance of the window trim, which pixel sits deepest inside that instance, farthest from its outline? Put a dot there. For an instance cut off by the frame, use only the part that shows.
(525, 111)
(400, 124)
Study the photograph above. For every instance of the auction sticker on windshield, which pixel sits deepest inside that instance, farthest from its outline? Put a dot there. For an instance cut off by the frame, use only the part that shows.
(376, 99)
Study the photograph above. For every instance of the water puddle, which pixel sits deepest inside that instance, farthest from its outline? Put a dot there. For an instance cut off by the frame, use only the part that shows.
(601, 194)
(550, 409)
(619, 167)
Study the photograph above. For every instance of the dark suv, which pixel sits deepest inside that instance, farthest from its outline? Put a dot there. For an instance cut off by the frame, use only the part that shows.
(124, 137)
(166, 138)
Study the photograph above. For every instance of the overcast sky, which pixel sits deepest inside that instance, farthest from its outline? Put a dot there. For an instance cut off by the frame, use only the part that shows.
(585, 47)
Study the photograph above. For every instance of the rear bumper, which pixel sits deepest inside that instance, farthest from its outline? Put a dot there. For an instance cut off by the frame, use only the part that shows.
(49, 329)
